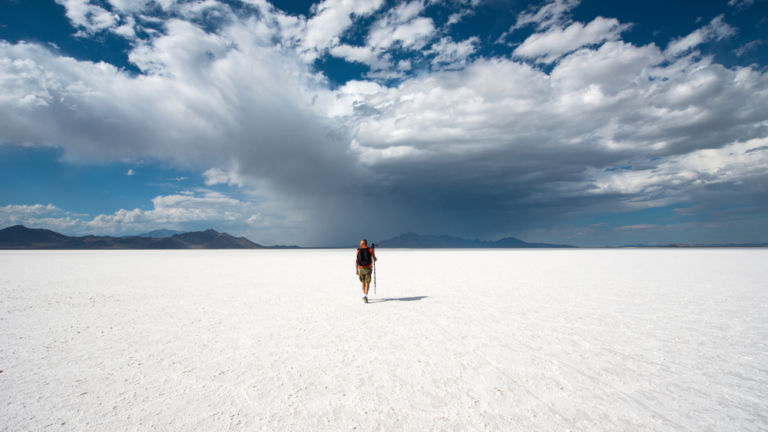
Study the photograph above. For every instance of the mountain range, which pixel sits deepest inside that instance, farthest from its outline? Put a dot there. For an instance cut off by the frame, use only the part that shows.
(694, 245)
(161, 233)
(21, 237)
(413, 240)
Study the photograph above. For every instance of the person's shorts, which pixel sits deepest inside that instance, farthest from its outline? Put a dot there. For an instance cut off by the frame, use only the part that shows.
(365, 274)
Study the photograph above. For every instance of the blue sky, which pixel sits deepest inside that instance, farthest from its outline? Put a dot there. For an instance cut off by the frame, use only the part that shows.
(586, 122)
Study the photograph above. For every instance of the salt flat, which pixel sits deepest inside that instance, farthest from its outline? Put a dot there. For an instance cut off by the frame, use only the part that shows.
(512, 340)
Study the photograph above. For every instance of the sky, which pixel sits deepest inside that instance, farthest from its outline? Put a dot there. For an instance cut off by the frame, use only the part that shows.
(587, 122)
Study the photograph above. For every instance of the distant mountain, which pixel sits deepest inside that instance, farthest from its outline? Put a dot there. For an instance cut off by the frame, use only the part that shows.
(21, 237)
(690, 245)
(413, 240)
(211, 239)
(161, 233)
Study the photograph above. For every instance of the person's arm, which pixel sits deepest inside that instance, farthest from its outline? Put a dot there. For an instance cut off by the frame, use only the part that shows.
(373, 254)
(356, 270)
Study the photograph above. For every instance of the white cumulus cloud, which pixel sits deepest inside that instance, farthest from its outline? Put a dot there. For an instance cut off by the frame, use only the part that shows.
(331, 18)
(402, 25)
(548, 46)
(87, 16)
(716, 30)
(39, 215)
(552, 13)
(450, 54)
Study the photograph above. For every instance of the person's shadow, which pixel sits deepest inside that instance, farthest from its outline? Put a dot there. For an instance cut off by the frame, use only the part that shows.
(388, 299)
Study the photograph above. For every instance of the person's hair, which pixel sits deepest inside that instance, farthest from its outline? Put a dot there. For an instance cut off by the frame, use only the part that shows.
(365, 242)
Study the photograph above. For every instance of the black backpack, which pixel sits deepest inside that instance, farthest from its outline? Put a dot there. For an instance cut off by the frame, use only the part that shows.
(364, 257)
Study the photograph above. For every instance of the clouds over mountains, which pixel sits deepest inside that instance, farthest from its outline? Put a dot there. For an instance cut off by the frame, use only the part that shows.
(436, 137)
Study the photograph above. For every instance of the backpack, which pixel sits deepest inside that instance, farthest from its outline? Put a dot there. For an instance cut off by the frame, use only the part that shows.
(364, 257)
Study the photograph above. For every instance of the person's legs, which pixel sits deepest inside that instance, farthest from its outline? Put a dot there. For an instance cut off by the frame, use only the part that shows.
(361, 277)
(365, 278)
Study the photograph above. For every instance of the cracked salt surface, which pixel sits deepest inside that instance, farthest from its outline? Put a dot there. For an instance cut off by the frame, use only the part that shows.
(453, 340)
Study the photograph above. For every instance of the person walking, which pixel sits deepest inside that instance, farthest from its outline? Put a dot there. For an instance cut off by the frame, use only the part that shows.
(364, 260)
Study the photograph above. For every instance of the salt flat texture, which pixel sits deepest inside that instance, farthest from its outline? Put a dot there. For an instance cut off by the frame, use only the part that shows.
(513, 340)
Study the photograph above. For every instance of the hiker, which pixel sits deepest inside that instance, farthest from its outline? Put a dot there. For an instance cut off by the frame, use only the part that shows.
(364, 266)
